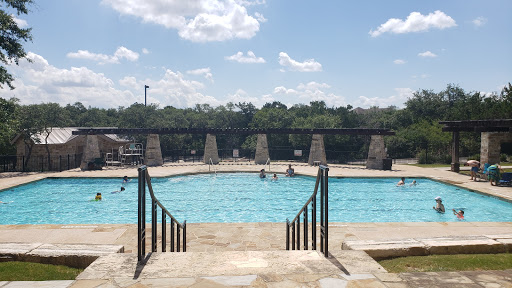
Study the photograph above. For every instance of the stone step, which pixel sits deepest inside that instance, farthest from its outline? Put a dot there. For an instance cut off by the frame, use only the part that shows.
(72, 255)
(243, 265)
(382, 249)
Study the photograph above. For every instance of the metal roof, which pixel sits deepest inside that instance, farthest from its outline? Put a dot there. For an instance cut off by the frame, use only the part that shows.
(65, 134)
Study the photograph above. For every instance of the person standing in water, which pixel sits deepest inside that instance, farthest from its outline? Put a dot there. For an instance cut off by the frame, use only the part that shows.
(439, 205)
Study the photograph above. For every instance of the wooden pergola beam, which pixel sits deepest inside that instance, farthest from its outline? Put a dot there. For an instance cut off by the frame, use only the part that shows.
(161, 131)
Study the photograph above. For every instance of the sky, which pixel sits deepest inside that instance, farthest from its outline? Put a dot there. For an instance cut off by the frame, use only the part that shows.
(103, 53)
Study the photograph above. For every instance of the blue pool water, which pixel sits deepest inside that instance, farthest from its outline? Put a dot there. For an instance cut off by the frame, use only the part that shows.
(243, 197)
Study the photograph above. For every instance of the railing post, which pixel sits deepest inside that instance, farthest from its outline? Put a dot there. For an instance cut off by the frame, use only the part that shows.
(298, 233)
(324, 213)
(305, 228)
(313, 224)
(177, 238)
(185, 236)
(154, 225)
(326, 198)
(60, 163)
(141, 225)
(287, 234)
(164, 230)
(172, 235)
(68, 163)
(293, 236)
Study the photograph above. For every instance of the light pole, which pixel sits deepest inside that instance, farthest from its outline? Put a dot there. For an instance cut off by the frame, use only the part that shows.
(145, 88)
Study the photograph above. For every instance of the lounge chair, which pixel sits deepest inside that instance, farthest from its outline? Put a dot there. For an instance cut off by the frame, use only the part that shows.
(506, 179)
(484, 174)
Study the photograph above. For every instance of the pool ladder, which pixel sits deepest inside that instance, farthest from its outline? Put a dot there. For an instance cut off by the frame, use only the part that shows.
(322, 180)
(210, 164)
(181, 228)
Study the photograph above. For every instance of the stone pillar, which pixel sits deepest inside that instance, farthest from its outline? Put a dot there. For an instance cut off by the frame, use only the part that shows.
(455, 152)
(210, 149)
(317, 150)
(376, 153)
(490, 147)
(153, 155)
(91, 151)
(262, 155)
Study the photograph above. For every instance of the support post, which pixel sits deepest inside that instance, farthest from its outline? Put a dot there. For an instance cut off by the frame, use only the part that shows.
(153, 155)
(210, 149)
(317, 150)
(455, 166)
(262, 154)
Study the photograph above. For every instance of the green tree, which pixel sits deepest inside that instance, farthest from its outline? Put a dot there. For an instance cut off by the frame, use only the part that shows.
(8, 125)
(11, 37)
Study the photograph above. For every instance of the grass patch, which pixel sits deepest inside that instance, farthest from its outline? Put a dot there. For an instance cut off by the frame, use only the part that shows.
(26, 271)
(460, 262)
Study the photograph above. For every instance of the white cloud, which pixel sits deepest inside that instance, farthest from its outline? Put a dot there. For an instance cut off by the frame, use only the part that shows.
(480, 21)
(307, 66)
(121, 52)
(196, 20)
(260, 17)
(202, 71)
(250, 58)
(422, 76)
(145, 51)
(415, 22)
(398, 100)
(41, 82)
(20, 22)
(242, 96)
(427, 54)
(312, 91)
(399, 61)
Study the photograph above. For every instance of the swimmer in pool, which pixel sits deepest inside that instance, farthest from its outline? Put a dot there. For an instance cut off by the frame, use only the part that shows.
(290, 171)
(126, 180)
(98, 197)
(413, 183)
(401, 182)
(275, 177)
(460, 214)
(439, 206)
(262, 173)
(122, 189)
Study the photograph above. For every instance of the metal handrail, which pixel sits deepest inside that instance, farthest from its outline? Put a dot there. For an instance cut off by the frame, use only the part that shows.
(145, 179)
(322, 179)
(210, 163)
(268, 162)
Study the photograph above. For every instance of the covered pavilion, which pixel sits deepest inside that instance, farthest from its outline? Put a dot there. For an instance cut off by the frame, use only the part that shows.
(493, 133)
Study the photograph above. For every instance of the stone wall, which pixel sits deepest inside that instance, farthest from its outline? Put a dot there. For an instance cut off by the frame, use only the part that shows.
(490, 146)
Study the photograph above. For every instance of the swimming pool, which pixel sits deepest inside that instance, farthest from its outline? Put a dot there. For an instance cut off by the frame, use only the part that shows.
(243, 197)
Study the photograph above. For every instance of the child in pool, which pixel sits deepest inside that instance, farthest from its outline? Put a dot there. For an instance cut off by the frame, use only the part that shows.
(460, 214)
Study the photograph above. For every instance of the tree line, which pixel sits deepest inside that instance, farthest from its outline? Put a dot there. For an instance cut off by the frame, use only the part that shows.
(418, 133)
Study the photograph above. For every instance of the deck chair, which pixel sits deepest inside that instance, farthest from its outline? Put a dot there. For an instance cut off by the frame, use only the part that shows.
(506, 179)
(484, 174)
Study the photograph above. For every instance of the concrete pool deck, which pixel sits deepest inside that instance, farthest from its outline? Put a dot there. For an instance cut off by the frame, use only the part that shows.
(259, 245)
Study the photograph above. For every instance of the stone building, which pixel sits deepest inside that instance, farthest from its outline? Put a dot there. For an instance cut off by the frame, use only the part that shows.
(63, 146)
